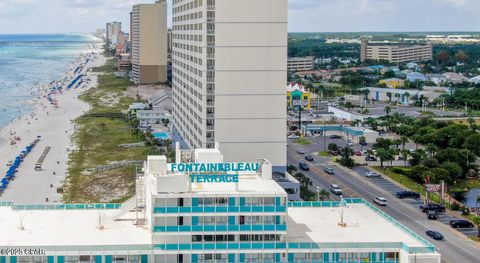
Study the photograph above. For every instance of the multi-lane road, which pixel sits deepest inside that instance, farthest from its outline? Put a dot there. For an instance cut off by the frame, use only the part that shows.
(455, 248)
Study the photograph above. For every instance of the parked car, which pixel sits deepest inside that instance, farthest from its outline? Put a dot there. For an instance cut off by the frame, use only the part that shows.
(400, 158)
(293, 136)
(460, 223)
(309, 158)
(380, 201)
(303, 166)
(358, 153)
(349, 143)
(407, 194)
(300, 151)
(364, 143)
(335, 189)
(334, 136)
(434, 234)
(328, 170)
(432, 207)
(372, 174)
(371, 159)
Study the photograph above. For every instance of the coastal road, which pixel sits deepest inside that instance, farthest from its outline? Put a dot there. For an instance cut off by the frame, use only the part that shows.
(455, 248)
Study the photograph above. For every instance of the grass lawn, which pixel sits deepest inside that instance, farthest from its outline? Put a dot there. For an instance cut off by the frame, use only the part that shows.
(407, 182)
(97, 141)
(302, 141)
(324, 154)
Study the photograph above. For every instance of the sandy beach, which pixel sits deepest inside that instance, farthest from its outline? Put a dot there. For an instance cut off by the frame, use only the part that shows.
(52, 119)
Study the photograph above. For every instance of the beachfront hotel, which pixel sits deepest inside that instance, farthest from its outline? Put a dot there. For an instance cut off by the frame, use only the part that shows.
(112, 30)
(202, 209)
(149, 42)
(229, 65)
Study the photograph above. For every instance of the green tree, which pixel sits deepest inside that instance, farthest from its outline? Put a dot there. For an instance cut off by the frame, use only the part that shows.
(323, 194)
(472, 143)
(404, 155)
(384, 156)
(291, 168)
(404, 140)
(389, 74)
(362, 140)
(461, 56)
(443, 57)
(476, 222)
(346, 160)
(333, 147)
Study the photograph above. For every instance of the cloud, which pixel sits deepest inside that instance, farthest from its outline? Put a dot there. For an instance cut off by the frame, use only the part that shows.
(47, 16)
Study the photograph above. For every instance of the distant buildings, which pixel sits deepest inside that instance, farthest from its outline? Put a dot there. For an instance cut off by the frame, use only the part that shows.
(404, 96)
(149, 42)
(455, 78)
(100, 33)
(475, 80)
(300, 63)
(112, 30)
(229, 62)
(416, 76)
(395, 53)
(298, 96)
(393, 82)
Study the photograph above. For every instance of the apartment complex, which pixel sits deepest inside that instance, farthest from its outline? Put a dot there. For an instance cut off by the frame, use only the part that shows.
(395, 53)
(112, 30)
(204, 210)
(229, 62)
(300, 63)
(149, 42)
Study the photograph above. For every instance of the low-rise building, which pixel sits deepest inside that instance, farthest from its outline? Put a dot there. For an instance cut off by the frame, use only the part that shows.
(455, 78)
(475, 80)
(402, 96)
(436, 78)
(153, 116)
(300, 63)
(298, 96)
(200, 209)
(124, 63)
(349, 132)
(393, 82)
(416, 76)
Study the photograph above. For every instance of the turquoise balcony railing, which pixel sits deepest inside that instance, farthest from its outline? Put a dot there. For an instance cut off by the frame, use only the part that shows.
(219, 228)
(220, 209)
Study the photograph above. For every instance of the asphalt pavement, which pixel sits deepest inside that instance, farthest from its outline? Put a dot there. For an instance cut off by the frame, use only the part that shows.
(455, 248)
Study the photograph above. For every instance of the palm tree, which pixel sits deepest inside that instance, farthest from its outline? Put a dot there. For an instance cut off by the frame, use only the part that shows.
(356, 122)
(387, 110)
(323, 194)
(404, 140)
(389, 95)
(405, 155)
(362, 140)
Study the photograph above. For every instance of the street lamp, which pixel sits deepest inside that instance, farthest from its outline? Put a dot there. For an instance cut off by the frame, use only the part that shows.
(318, 193)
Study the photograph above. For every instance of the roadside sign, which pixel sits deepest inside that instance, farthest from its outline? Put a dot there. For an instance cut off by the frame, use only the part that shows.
(432, 188)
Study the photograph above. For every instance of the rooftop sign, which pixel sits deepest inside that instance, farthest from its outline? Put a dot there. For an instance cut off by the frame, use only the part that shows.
(214, 172)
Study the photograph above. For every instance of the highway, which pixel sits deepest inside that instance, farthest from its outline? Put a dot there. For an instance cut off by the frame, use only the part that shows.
(455, 248)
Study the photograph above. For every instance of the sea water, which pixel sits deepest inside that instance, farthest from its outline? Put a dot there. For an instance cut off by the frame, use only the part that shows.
(24, 67)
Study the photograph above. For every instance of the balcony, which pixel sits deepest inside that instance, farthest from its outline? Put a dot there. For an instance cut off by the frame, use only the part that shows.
(211, 103)
(210, 19)
(210, 115)
(210, 7)
(210, 31)
(211, 56)
(210, 79)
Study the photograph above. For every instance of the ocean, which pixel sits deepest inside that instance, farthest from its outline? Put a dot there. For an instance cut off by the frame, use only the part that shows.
(22, 67)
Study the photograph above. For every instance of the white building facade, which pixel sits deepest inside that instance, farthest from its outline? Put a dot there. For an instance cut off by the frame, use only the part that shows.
(229, 64)
(208, 211)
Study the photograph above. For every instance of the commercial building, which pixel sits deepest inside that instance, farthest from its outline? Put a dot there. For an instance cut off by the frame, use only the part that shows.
(229, 72)
(403, 96)
(112, 30)
(395, 53)
(149, 42)
(153, 116)
(349, 132)
(298, 96)
(393, 82)
(206, 210)
(300, 63)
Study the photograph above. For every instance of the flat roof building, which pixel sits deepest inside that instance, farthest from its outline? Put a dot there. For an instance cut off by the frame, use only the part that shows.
(300, 63)
(205, 210)
(395, 53)
(149, 42)
(229, 72)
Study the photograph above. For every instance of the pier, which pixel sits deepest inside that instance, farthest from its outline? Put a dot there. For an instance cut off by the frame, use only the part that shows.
(47, 43)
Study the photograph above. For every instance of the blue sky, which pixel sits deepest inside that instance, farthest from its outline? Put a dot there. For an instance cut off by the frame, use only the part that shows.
(62, 16)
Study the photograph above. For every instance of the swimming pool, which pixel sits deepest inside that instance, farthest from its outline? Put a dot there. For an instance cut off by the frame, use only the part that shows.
(161, 135)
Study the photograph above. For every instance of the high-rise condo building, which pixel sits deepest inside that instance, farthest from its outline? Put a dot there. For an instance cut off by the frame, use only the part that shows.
(149, 42)
(113, 28)
(229, 74)
(395, 53)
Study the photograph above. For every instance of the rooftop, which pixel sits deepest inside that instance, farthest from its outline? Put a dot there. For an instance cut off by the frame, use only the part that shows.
(68, 228)
(363, 224)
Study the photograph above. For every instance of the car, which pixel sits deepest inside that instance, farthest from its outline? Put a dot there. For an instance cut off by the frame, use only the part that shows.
(460, 223)
(309, 158)
(382, 133)
(358, 153)
(432, 207)
(349, 143)
(335, 189)
(380, 201)
(363, 143)
(407, 194)
(370, 158)
(334, 136)
(400, 158)
(432, 215)
(372, 174)
(328, 170)
(434, 234)
(293, 136)
(304, 166)
(300, 151)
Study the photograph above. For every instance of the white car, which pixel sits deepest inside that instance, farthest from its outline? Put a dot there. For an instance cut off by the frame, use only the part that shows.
(380, 201)
(335, 189)
(372, 174)
(349, 143)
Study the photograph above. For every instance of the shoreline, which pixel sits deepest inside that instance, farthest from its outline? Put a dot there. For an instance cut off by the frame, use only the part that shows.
(52, 115)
